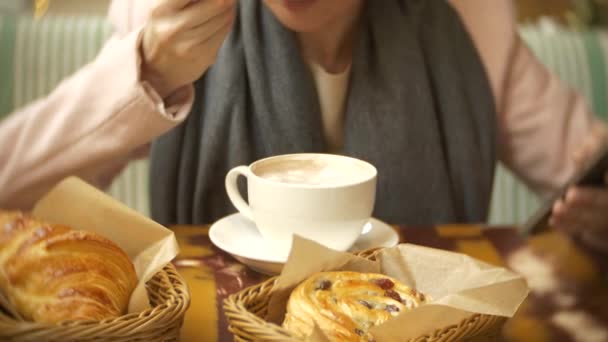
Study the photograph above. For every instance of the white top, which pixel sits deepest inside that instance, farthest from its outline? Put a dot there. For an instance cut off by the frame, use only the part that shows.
(332, 90)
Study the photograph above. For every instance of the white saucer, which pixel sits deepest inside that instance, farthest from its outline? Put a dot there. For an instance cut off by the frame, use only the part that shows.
(238, 236)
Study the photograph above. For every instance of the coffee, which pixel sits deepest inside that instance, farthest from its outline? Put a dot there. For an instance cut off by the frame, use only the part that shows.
(321, 197)
(315, 170)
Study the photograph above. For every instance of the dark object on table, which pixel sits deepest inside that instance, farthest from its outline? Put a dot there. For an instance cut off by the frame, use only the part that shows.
(592, 175)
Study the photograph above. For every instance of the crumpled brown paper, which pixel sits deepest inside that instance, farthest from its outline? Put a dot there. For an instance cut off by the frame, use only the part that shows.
(458, 284)
(81, 206)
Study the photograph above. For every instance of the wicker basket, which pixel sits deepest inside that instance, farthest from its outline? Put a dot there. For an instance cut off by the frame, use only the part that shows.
(247, 309)
(169, 298)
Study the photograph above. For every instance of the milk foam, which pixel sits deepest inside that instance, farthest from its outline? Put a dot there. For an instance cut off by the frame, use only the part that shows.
(315, 171)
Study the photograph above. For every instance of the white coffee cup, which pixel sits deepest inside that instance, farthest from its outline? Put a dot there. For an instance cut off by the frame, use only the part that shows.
(322, 197)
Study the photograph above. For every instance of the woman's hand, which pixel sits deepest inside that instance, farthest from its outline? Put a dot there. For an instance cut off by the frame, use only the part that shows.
(181, 40)
(584, 210)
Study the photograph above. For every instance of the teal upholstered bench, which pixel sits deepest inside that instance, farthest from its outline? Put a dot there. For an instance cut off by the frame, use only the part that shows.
(36, 55)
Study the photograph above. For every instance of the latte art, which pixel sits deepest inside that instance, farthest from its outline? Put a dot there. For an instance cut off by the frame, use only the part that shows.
(315, 171)
(326, 176)
(322, 197)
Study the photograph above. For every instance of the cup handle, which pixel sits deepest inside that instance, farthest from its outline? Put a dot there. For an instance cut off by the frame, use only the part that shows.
(233, 190)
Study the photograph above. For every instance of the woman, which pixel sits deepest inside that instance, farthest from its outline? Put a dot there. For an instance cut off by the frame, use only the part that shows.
(429, 93)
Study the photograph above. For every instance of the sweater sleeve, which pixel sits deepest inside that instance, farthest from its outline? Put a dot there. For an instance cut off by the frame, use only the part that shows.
(542, 123)
(91, 125)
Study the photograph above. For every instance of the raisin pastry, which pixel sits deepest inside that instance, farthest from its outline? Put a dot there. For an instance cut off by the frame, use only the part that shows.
(51, 273)
(345, 305)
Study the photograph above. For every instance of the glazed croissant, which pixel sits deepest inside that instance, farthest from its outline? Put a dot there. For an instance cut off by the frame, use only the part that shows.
(346, 304)
(51, 273)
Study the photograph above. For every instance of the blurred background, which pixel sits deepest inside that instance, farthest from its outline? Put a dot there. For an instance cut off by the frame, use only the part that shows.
(60, 7)
(570, 12)
(569, 36)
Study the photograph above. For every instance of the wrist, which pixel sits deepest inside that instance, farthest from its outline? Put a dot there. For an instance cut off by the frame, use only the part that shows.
(150, 75)
(157, 82)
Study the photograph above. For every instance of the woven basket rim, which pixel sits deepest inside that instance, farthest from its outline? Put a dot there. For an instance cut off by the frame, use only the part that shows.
(171, 309)
(243, 321)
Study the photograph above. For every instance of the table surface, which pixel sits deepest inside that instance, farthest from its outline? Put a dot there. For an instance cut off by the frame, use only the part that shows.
(569, 284)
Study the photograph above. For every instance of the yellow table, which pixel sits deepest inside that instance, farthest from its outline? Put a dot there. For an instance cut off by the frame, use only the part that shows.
(569, 297)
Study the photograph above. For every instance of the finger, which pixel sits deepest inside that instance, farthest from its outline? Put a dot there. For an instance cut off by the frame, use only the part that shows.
(596, 198)
(181, 4)
(565, 217)
(599, 242)
(557, 214)
(563, 220)
(589, 212)
(206, 30)
(166, 6)
(195, 43)
(566, 224)
(201, 12)
(559, 217)
(584, 219)
(215, 41)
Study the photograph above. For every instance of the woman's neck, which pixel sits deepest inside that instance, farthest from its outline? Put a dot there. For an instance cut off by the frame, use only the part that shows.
(332, 46)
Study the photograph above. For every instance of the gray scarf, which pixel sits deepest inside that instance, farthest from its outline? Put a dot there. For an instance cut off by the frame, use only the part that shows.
(419, 108)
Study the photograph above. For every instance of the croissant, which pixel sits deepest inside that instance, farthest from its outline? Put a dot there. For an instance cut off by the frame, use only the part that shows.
(51, 273)
(345, 305)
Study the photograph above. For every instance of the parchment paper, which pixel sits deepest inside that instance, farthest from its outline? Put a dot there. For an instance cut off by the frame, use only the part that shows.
(81, 206)
(458, 285)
